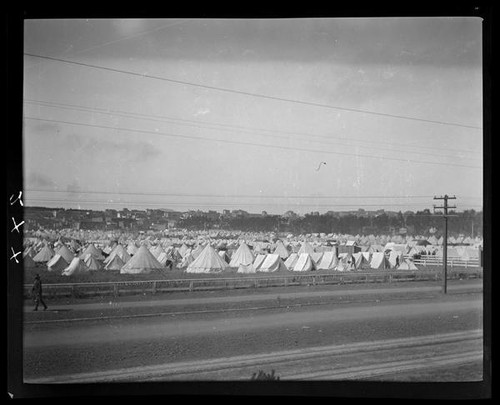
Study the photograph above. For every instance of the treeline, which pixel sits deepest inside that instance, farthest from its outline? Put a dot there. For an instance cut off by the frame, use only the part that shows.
(424, 222)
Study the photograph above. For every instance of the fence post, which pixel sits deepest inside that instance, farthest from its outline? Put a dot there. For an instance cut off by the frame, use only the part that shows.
(286, 281)
(154, 287)
(191, 286)
(115, 290)
(314, 280)
(390, 278)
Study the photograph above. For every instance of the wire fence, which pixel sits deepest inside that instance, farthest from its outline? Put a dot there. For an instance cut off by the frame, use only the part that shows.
(122, 288)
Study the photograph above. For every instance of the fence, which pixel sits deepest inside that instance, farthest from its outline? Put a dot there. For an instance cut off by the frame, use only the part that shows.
(452, 262)
(80, 290)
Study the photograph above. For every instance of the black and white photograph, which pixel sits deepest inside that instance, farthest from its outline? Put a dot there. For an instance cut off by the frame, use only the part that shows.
(252, 199)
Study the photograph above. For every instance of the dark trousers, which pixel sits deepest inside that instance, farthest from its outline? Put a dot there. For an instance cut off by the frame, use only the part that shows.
(38, 301)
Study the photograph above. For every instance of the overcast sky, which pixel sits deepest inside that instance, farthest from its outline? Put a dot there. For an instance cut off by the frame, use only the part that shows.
(393, 107)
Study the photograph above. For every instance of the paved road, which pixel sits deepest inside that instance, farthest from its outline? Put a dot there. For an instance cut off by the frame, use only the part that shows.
(60, 351)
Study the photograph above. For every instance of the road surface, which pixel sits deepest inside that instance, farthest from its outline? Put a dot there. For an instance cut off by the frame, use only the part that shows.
(302, 335)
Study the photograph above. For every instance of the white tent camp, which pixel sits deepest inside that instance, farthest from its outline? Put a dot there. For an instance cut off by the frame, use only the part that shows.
(208, 261)
(57, 264)
(91, 262)
(44, 255)
(243, 255)
(379, 261)
(407, 265)
(292, 259)
(281, 250)
(76, 266)
(304, 263)
(271, 263)
(116, 263)
(142, 262)
(328, 261)
(258, 261)
(92, 250)
(67, 254)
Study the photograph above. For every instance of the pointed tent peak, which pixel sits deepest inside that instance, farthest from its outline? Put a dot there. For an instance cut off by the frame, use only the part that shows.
(116, 263)
(44, 255)
(208, 261)
(306, 248)
(92, 250)
(91, 262)
(142, 262)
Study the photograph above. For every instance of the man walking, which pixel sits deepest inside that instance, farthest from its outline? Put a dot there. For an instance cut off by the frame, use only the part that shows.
(36, 291)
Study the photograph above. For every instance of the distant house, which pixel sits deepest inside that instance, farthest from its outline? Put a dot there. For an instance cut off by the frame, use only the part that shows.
(349, 247)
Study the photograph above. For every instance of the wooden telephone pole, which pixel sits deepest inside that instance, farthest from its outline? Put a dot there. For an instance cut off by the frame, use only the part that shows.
(445, 208)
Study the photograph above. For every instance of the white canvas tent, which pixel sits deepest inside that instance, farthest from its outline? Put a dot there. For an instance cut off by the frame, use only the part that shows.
(395, 258)
(243, 255)
(186, 260)
(119, 251)
(92, 250)
(281, 250)
(116, 263)
(57, 264)
(361, 261)
(271, 263)
(407, 265)
(304, 263)
(258, 261)
(328, 261)
(306, 248)
(44, 255)
(346, 262)
(76, 266)
(246, 269)
(379, 261)
(208, 261)
(91, 262)
(292, 259)
(142, 262)
(67, 254)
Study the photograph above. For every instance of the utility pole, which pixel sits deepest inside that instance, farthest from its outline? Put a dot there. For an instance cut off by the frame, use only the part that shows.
(445, 208)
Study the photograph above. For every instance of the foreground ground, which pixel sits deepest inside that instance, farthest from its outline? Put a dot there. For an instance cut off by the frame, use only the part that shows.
(403, 332)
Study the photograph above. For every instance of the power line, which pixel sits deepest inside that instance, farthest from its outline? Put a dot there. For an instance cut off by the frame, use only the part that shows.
(250, 143)
(245, 93)
(197, 124)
